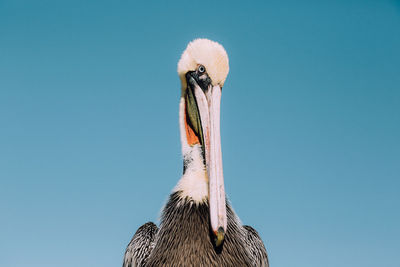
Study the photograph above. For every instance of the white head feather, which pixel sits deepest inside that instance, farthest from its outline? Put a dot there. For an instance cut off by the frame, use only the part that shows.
(207, 53)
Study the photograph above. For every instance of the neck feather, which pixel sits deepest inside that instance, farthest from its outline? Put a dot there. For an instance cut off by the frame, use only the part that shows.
(194, 181)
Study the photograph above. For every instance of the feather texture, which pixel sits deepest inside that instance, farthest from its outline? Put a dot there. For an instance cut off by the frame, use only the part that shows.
(184, 239)
(256, 246)
(141, 245)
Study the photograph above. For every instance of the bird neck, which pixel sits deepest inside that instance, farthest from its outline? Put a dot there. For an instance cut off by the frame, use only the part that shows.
(194, 181)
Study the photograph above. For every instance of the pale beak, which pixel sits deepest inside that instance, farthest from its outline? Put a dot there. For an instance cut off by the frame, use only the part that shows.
(208, 105)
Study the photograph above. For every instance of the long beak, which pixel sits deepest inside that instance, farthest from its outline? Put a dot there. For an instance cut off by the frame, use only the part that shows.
(208, 105)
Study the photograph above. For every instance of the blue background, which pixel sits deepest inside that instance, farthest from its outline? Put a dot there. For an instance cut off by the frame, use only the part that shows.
(89, 139)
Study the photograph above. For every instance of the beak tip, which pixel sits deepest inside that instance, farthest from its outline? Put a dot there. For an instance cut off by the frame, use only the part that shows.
(219, 236)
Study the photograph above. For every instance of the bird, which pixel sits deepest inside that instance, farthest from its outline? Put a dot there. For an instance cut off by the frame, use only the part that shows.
(198, 226)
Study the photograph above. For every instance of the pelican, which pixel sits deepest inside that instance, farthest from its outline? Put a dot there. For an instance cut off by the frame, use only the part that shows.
(198, 226)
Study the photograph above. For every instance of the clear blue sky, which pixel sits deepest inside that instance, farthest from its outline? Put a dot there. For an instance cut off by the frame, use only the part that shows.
(89, 140)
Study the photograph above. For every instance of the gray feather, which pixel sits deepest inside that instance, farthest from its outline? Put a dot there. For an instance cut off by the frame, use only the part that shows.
(141, 245)
(185, 239)
(257, 249)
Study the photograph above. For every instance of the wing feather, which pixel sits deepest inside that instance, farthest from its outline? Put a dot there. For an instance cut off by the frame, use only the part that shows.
(141, 245)
(257, 249)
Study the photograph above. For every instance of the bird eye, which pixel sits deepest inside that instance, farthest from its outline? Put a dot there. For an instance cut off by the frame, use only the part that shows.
(201, 69)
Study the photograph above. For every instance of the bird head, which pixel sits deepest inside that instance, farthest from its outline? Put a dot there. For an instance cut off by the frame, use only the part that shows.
(211, 55)
(203, 68)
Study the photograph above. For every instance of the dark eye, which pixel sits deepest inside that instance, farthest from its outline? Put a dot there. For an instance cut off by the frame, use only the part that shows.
(201, 69)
